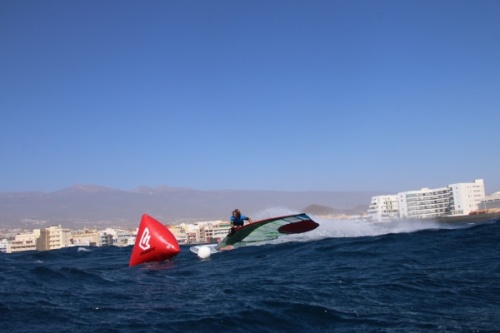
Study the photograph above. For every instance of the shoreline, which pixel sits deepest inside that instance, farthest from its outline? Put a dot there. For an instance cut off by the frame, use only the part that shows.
(473, 218)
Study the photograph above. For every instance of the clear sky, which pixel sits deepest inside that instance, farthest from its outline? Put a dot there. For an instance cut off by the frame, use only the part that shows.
(259, 95)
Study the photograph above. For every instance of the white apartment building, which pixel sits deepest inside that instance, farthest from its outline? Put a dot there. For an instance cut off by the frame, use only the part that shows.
(3, 245)
(123, 237)
(454, 199)
(490, 202)
(214, 232)
(180, 232)
(201, 232)
(466, 197)
(383, 208)
(424, 203)
(85, 237)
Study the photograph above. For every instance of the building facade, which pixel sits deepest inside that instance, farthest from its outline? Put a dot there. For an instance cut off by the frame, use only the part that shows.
(51, 238)
(85, 237)
(383, 208)
(454, 199)
(56, 237)
(490, 202)
(23, 242)
(466, 197)
(424, 203)
(214, 232)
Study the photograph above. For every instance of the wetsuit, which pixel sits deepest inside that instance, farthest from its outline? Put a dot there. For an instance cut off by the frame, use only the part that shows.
(238, 222)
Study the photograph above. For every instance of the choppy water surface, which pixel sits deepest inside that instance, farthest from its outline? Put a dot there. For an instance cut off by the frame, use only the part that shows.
(344, 276)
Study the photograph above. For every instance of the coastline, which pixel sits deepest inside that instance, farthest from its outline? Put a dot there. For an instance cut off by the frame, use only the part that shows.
(473, 218)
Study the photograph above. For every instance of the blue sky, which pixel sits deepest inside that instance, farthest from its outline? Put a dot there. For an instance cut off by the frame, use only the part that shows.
(258, 95)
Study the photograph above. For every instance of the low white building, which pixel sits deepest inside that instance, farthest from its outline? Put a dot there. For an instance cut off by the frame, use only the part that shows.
(3, 245)
(124, 237)
(490, 202)
(201, 232)
(214, 231)
(85, 237)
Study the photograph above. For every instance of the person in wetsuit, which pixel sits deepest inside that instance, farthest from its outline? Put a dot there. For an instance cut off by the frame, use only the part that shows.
(237, 221)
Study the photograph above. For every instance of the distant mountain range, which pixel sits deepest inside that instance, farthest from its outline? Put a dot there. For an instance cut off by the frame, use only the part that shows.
(96, 206)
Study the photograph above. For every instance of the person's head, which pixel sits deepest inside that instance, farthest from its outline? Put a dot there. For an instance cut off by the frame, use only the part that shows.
(237, 213)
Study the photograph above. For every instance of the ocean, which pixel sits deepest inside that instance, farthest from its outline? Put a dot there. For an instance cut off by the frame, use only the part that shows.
(345, 276)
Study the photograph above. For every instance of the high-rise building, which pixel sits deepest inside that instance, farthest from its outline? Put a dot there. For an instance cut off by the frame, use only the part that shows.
(454, 199)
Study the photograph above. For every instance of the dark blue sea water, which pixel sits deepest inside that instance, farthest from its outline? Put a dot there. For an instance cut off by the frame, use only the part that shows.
(346, 276)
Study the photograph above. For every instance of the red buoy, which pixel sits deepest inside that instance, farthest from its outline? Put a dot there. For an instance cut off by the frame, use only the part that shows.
(154, 242)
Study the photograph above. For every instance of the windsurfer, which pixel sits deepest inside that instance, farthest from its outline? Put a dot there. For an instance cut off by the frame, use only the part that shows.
(237, 221)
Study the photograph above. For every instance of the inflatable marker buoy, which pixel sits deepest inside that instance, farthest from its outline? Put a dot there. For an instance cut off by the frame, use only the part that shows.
(154, 242)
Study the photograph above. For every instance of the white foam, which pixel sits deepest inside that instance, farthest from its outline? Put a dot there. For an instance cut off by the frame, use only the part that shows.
(83, 249)
(336, 228)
